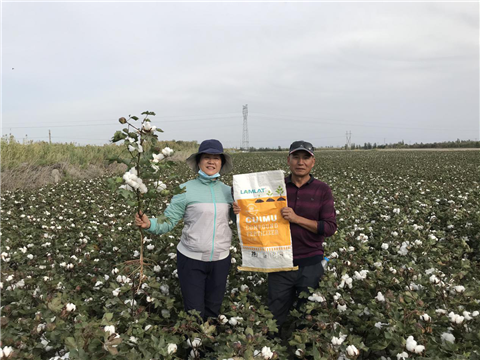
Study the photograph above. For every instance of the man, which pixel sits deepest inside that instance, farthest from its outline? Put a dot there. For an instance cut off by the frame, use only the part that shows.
(311, 214)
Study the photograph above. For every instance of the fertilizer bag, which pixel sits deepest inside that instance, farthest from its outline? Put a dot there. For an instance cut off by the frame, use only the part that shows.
(264, 234)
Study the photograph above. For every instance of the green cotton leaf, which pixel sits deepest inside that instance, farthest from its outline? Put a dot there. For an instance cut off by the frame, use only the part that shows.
(159, 130)
(71, 343)
(126, 194)
(108, 316)
(148, 113)
(118, 136)
(272, 325)
(249, 331)
(134, 118)
(315, 353)
(56, 304)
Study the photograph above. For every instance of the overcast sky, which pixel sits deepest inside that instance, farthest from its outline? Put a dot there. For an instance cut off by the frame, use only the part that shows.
(384, 71)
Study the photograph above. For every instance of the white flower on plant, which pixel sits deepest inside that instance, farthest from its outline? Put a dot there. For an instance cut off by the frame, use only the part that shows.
(167, 152)
(352, 350)
(267, 352)
(116, 292)
(448, 337)
(71, 307)
(402, 356)
(109, 329)
(171, 348)
(412, 346)
(195, 343)
(380, 297)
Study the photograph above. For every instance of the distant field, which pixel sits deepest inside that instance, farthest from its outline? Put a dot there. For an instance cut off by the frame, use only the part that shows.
(404, 263)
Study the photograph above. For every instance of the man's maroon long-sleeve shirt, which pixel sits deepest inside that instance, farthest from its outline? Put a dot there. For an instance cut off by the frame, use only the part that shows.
(314, 201)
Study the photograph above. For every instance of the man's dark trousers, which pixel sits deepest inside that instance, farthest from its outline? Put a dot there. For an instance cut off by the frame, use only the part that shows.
(285, 286)
(203, 284)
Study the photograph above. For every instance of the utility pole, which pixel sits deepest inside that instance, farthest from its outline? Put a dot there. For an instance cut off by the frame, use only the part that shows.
(348, 134)
(49, 136)
(245, 142)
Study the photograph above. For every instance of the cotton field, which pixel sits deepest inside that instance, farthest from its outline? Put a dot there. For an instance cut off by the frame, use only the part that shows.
(402, 281)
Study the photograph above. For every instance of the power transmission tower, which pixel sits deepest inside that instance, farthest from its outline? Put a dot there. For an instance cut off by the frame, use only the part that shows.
(245, 142)
(349, 139)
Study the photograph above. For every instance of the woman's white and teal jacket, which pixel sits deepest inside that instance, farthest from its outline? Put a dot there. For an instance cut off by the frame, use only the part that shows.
(205, 208)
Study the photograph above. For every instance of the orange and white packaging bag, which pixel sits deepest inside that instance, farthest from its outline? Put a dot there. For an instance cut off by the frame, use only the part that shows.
(264, 234)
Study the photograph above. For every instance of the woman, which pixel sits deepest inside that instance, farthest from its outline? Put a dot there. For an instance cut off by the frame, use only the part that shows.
(203, 253)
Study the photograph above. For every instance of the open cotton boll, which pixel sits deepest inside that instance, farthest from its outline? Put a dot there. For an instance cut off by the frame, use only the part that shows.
(352, 350)
(448, 337)
(380, 297)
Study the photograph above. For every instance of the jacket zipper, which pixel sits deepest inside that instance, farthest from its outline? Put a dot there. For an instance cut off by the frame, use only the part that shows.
(214, 220)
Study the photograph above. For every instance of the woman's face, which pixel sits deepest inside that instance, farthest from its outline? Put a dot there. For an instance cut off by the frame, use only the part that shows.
(210, 164)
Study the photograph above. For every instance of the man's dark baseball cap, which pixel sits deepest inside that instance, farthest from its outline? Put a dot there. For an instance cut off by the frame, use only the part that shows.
(301, 145)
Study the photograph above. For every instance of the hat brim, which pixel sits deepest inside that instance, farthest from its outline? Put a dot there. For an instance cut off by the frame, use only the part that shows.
(226, 167)
(301, 149)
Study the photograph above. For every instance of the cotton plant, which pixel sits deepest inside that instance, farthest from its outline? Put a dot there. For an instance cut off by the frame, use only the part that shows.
(141, 185)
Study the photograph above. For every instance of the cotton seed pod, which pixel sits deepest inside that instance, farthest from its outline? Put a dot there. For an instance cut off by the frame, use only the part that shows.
(122, 120)
(309, 317)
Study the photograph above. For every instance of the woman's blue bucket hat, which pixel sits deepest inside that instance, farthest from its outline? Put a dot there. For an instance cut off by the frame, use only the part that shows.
(211, 146)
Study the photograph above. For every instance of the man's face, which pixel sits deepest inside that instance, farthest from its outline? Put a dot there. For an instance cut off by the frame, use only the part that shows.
(301, 163)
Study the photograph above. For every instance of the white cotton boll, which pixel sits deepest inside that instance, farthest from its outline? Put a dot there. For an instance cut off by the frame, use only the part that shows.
(475, 313)
(171, 349)
(419, 349)
(448, 337)
(71, 307)
(333, 255)
(150, 299)
(299, 353)
(402, 356)
(116, 292)
(158, 157)
(131, 148)
(394, 233)
(467, 316)
(167, 151)
(150, 247)
(223, 319)
(140, 148)
(337, 341)
(425, 317)
(7, 350)
(410, 344)
(147, 327)
(352, 350)
(267, 352)
(233, 321)
(157, 268)
(396, 211)
(136, 253)
(384, 246)
(342, 308)
(195, 343)
(109, 329)
(434, 280)
(147, 126)
(441, 311)
(380, 297)
(336, 296)
(159, 186)
(459, 288)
